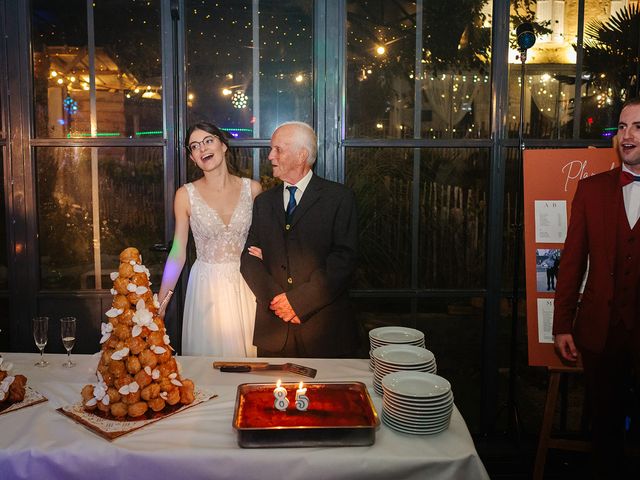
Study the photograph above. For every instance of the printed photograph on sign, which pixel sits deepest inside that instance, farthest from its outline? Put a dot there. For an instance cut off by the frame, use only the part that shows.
(547, 264)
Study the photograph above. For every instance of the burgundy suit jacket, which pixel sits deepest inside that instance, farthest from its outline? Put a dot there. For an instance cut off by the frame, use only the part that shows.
(591, 236)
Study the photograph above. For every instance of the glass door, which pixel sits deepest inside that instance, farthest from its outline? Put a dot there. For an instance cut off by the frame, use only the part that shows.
(102, 149)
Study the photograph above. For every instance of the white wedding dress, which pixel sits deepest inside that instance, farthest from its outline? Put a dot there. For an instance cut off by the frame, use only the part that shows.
(219, 312)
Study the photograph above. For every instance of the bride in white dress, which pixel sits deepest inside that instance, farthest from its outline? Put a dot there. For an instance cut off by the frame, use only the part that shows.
(219, 312)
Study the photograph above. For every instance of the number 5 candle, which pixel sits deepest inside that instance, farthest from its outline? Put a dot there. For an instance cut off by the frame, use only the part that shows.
(302, 401)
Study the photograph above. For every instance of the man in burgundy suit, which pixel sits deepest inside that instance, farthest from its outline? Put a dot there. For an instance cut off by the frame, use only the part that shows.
(603, 324)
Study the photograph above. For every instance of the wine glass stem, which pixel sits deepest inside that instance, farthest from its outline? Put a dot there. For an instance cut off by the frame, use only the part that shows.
(41, 355)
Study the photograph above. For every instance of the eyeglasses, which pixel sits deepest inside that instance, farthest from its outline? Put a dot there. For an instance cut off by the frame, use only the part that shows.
(195, 146)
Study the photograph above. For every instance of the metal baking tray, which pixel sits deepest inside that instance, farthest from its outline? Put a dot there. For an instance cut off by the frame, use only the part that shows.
(339, 414)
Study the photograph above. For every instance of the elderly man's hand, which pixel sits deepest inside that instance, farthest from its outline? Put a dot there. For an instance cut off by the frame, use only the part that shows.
(282, 308)
(255, 251)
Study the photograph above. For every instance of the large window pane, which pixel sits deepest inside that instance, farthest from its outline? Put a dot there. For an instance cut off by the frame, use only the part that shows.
(127, 68)
(58, 37)
(548, 100)
(550, 73)
(453, 216)
(381, 179)
(611, 58)
(381, 45)
(131, 191)
(224, 77)
(128, 183)
(455, 58)
(381, 59)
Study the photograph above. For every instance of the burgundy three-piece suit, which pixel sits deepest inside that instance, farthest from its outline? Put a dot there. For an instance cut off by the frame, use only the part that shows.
(604, 324)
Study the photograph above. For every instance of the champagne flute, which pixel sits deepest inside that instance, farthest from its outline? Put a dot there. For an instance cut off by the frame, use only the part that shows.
(40, 331)
(68, 334)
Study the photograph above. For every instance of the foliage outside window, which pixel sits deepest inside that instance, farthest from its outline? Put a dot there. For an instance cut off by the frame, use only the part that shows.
(452, 216)
(130, 195)
(381, 70)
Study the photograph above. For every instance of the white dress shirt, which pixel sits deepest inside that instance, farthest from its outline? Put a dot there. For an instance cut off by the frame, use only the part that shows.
(631, 195)
(302, 185)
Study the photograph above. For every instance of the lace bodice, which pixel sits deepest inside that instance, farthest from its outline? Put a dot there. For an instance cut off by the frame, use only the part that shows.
(215, 241)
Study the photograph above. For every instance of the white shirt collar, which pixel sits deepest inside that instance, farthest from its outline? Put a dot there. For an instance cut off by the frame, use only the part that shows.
(302, 183)
(631, 198)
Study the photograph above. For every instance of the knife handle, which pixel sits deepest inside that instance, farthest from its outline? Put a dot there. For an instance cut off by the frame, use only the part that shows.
(257, 365)
(236, 369)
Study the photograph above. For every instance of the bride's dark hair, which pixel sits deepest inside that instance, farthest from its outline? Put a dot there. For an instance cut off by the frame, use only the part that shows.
(209, 128)
(224, 138)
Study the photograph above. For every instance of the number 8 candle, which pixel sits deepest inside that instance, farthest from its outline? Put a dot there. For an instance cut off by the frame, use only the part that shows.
(281, 402)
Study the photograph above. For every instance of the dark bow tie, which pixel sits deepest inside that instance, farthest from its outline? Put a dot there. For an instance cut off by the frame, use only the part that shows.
(626, 178)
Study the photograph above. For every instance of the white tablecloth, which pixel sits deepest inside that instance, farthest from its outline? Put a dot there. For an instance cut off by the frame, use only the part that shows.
(38, 442)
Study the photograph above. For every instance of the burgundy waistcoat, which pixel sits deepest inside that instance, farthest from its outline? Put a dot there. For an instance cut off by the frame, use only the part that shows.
(627, 271)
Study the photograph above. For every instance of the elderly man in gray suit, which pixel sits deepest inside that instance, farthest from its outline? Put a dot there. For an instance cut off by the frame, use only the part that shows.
(306, 229)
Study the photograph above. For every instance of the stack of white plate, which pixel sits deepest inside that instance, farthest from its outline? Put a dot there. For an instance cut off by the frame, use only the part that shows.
(381, 336)
(419, 403)
(397, 358)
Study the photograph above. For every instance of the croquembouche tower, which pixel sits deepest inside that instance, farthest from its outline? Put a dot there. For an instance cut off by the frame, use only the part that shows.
(137, 371)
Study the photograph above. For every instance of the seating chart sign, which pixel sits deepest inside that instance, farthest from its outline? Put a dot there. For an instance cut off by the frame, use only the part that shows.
(550, 181)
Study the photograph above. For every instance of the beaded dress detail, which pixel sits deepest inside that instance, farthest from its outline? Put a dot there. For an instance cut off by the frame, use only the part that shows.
(219, 311)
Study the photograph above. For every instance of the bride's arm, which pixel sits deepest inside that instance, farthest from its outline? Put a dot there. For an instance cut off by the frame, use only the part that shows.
(178, 253)
(256, 189)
